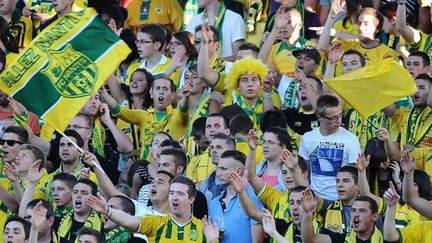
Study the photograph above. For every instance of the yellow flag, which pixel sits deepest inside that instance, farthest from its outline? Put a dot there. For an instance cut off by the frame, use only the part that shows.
(372, 88)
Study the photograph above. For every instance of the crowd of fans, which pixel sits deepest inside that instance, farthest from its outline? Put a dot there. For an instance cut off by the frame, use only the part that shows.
(219, 126)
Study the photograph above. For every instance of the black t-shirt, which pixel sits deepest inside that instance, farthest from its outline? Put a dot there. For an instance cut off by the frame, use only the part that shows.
(300, 122)
(74, 229)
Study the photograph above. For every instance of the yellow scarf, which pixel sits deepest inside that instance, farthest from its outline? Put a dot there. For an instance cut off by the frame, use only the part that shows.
(93, 221)
(334, 219)
(289, 235)
(98, 137)
(377, 237)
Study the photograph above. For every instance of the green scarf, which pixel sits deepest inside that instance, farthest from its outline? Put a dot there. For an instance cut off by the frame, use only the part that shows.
(376, 237)
(416, 122)
(190, 10)
(255, 113)
(217, 23)
(291, 95)
(98, 137)
(118, 235)
(93, 221)
(200, 110)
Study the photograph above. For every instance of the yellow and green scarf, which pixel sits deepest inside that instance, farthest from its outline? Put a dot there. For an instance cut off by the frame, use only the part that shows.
(289, 235)
(217, 23)
(93, 221)
(334, 219)
(254, 113)
(200, 110)
(418, 126)
(118, 235)
(98, 137)
(376, 237)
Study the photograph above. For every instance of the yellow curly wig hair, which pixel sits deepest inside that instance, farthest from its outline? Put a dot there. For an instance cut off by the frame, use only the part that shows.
(245, 66)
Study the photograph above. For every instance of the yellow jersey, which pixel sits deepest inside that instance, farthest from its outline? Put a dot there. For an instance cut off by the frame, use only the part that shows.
(416, 233)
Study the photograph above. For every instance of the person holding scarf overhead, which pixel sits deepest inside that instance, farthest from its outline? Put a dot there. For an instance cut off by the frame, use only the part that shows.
(232, 32)
(244, 83)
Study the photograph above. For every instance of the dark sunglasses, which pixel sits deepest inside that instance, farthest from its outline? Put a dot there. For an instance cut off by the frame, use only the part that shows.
(9, 142)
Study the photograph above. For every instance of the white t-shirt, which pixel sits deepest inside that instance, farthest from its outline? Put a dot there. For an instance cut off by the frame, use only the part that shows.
(327, 154)
(233, 29)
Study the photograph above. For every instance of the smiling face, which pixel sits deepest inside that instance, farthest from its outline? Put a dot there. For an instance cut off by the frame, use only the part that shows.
(362, 217)
(80, 194)
(180, 202)
(162, 94)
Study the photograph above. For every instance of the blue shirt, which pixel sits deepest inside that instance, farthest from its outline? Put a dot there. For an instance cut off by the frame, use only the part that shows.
(237, 223)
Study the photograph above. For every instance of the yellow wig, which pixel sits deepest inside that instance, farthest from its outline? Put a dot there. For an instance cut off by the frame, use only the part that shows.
(244, 66)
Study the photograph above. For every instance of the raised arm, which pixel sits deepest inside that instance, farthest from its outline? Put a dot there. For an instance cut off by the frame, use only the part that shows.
(104, 181)
(269, 226)
(118, 216)
(112, 103)
(256, 182)
(10, 202)
(392, 198)
(33, 176)
(409, 194)
(392, 149)
(204, 72)
(39, 213)
(407, 32)
(291, 161)
(362, 164)
(324, 40)
(307, 230)
(124, 144)
(117, 93)
(248, 205)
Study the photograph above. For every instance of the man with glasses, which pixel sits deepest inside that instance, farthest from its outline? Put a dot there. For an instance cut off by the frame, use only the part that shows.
(11, 141)
(328, 148)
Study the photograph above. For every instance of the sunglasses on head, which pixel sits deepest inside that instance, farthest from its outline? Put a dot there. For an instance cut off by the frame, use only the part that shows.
(9, 142)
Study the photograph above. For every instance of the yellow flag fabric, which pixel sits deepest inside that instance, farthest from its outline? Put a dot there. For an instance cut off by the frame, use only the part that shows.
(64, 66)
(372, 88)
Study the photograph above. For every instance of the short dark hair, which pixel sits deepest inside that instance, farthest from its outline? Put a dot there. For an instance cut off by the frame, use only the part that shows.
(352, 170)
(372, 204)
(37, 153)
(324, 102)
(178, 154)
(25, 223)
(228, 139)
(424, 76)
(164, 172)
(114, 12)
(19, 131)
(214, 31)
(127, 204)
(301, 189)
(273, 118)
(249, 46)
(240, 124)
(217, 114)
(234, 154)
(198, 127)
(90, 183)
(357, 53)
(170, 143)
(48, 206)
(67, 179)
(76, 135)
(187, 40)
(100, 238)
(192, 191)
(156, 33)
(173, 87)
(424, 56)
(282, 136)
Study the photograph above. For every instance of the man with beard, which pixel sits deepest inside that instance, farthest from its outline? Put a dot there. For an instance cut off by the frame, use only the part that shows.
(70, 163)
(238, 227)
(179, 226)
(6, 110)
(364, 214)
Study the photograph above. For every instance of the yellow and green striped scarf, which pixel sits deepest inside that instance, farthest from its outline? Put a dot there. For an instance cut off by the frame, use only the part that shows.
(93, 221)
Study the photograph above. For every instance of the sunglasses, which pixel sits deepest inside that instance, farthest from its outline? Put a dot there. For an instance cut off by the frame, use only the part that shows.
(10, 143)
